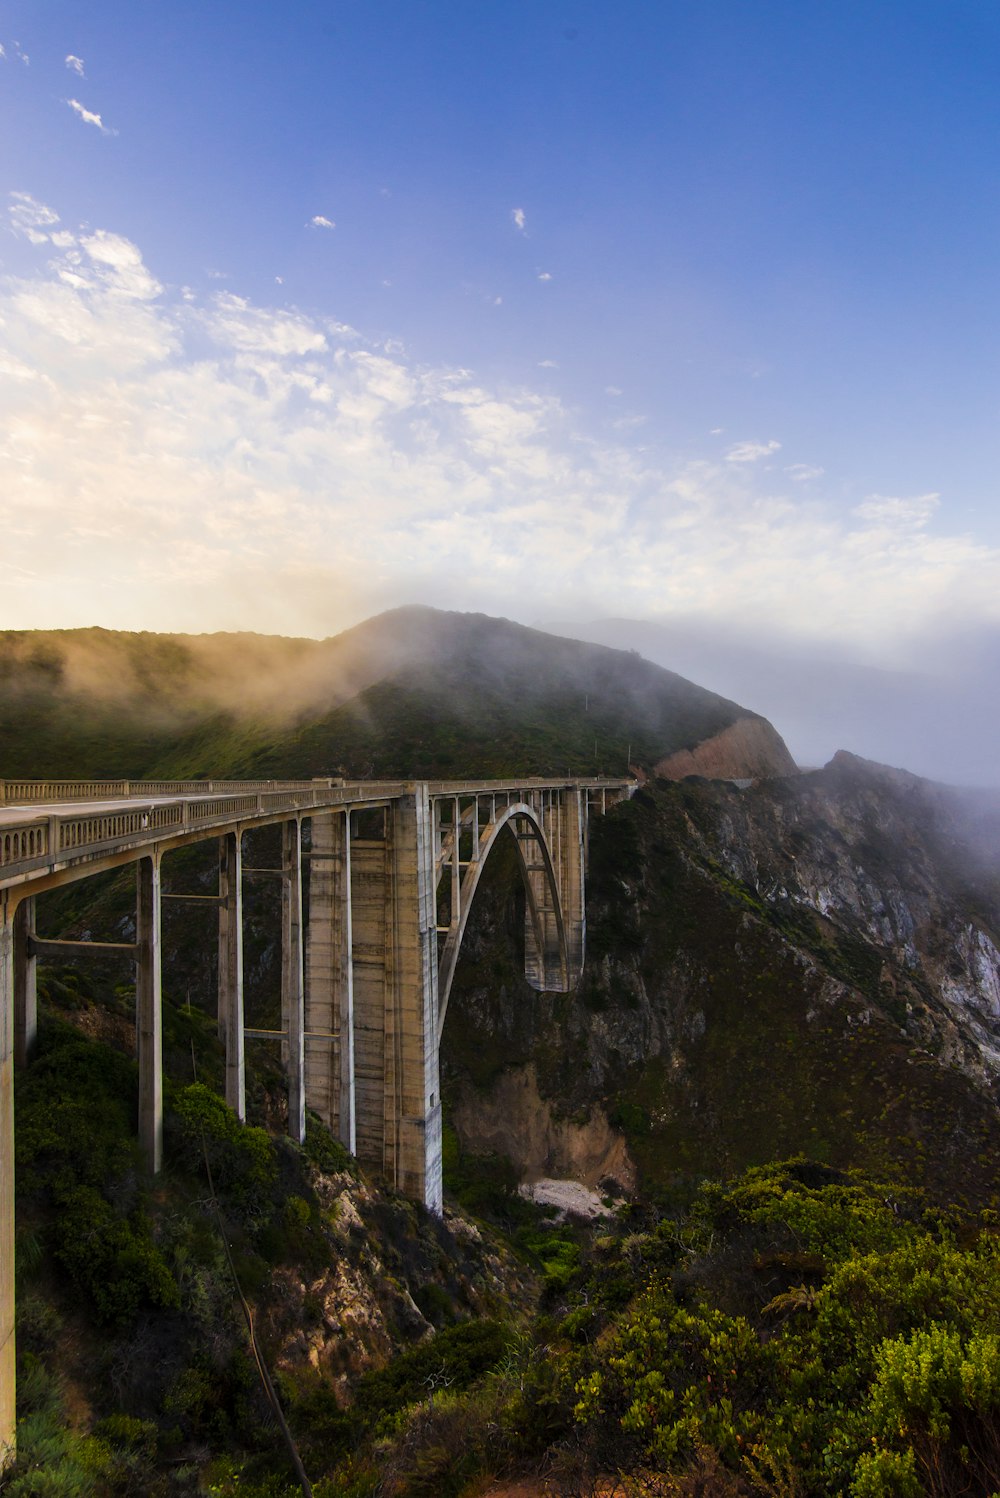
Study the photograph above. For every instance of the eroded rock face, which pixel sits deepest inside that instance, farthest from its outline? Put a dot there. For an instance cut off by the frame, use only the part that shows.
(748, 749)
(360, 1306)
(585, 1149)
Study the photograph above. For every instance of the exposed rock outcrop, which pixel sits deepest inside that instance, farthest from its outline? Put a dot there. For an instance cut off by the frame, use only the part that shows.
(748, 749)
(588, 1150)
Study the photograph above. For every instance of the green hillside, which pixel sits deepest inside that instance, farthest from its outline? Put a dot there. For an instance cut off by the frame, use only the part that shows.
(413, 693)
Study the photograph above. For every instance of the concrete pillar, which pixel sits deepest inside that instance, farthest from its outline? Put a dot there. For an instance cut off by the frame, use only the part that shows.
(8, 1413)
(396, 1000)
(572, 824)
(148, 1010)
(292, 975)
(329, 1002)
(25, 987)
(371, 961)
(231, 1022)
(413, 1016)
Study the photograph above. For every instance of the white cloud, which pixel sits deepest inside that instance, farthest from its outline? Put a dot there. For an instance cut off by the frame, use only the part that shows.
(517, 214)
(89, 117)
(75, 64)
(31, 218)
(544, 275)
(801, 472)
(613, 391)
(2, 50)
(750, 452)
(882, 510)
(203, 461)
(319, 222)
(547, 364)
(20, 54)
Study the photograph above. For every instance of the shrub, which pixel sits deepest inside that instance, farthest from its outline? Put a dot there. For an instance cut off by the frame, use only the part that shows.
(112, 1258)
(241, 1157)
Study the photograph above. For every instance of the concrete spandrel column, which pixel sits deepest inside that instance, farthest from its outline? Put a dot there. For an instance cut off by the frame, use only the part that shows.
(292, 975)
(149, 1010)
(8, 1412)
(231, 1020)
(25, 984)
(329, 978)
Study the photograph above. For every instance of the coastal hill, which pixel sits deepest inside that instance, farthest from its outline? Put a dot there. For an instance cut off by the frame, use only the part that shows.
(412, 693)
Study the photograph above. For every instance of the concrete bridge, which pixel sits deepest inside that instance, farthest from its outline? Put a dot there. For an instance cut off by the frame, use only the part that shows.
(377, 881)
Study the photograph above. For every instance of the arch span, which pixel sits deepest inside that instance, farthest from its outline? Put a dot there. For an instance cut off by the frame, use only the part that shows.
(547, 956)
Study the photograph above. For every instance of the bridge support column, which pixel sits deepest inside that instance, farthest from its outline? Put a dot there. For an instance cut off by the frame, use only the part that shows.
(149, 1010)
(417, 1142)
(231, 1022)
(395, 1000)
(25, 984)
(8, 1412)
(329, 1002)
(571, 862)
(292, 975)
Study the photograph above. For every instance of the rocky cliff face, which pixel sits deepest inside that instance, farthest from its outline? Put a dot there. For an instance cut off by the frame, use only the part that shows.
(748, 749)
(805, 964)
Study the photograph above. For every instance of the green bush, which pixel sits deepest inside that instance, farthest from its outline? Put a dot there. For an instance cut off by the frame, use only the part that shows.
(242, 1158)
(460, 1354)
(112, 1258)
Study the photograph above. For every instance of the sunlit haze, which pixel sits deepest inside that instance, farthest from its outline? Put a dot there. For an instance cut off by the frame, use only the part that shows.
(681, 313)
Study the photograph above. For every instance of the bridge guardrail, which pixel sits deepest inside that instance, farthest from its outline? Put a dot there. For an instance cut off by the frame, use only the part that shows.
(26, 847)
(30, 792)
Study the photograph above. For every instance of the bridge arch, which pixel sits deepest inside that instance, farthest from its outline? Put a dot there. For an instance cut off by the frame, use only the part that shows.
(547, 957)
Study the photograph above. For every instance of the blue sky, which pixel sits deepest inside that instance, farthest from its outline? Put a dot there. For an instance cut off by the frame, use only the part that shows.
(676, 311)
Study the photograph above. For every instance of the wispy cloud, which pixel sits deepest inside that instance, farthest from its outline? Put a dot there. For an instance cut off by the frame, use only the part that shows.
(750, 452)
(20, 54)
(203, 461)
(31, 218)
(75, 64)
(89, 117)
(884, 510)
(517, 214)
(802, 472)
(318, 221)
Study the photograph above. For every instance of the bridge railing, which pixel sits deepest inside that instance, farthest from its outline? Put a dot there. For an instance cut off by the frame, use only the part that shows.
(30, 845)
(30, 792)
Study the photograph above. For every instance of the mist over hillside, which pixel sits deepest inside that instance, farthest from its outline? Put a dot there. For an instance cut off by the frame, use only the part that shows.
(937, 718)
(413, 692)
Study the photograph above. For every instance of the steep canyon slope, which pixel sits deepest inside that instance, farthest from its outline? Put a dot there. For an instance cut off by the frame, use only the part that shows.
(805, 964)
